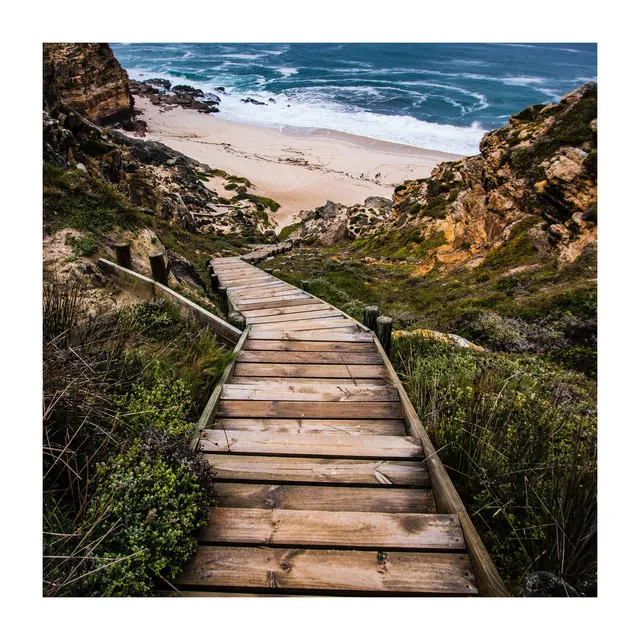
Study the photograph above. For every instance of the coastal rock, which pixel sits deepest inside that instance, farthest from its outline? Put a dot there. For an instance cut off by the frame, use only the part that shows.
(88, 79)
(335, 222)
(254, 101)
(184, 96)
(159, 82)
(189, 90)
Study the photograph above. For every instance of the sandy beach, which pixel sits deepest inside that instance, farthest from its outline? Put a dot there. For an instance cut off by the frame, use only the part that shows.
(300, 169)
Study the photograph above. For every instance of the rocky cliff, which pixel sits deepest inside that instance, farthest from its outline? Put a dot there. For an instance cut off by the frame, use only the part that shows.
(88, 79)
(538, 172)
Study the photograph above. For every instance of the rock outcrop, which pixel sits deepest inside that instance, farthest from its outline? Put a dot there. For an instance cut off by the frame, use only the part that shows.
(156, 179)
(540, 167)
(334, 222)
(537, 175)
(87, 78)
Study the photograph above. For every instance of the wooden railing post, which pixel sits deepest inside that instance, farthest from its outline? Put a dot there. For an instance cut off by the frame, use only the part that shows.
(158, 267)
(383, 331)
(224, 300)
(123, 255)
(304, 285)
(370, 317)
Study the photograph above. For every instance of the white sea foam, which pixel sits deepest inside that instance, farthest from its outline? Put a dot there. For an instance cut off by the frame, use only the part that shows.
(311, 110)
(287, 71)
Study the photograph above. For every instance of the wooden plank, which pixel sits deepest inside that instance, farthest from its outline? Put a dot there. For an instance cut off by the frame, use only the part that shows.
(337, 445)
(330, 322)
(259, 381)
(291, 317)
(258, 286)
(340, 334)
(310, 410)
(310, 357)
(270, 292)
(331, 570)
(344, 529)
(275, 304)
(266, 469)
(312, 306)
(308, 345)
(309, 392)
(352, 427)
(380, 499)
(271, 296)
(309, 371)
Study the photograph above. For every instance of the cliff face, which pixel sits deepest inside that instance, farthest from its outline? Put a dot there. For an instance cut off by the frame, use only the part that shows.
(535, 176)
(87, 78)
(539, 168)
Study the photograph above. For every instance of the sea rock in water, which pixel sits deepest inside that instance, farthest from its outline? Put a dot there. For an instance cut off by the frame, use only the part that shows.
(220, 89)
(159, 82)
(253, 101)
(543, 584)
(189, 90)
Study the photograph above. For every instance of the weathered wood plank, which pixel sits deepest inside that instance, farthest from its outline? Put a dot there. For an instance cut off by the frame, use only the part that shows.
(309, 323)
(340, 334)
(309, 392)
(267, 469)
(291, 317)
(344, 427)
(276, 303)
(312, 410)
(310, 371)
(284, 297)
(333, 570)
(267, 292)
(308, 345)
(359, 382)
(344, 529)
(338, 445)
(310, 357)
(380, 499)
(283, 311)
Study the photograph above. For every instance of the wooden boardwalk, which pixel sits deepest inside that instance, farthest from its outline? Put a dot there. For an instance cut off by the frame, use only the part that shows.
(321, 489)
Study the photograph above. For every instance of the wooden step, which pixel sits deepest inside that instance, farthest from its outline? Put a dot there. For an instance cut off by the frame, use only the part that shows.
(300, 325)
(291, 317)
(309, 392)
(362, 427)
(307, 345)
(331, 570)
(310, 410)
(275, 303)
(339, 445)
(348, 333)
(313, 305)
(339, 530)
(310, 371)
(311, 357)
(259, 381)
(375, 473)
(382, 499)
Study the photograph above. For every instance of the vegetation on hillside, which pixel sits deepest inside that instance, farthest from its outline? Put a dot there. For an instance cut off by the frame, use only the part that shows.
(518, 436)
(123, 491)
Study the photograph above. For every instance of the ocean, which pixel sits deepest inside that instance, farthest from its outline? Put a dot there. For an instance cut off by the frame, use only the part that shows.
(442, 97)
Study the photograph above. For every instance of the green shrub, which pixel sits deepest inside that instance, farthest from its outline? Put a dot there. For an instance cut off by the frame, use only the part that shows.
(143, 516)
(85, 245)
(519, 438)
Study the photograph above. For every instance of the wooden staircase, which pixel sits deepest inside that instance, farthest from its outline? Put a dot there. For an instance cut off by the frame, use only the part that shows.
(321, 488)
